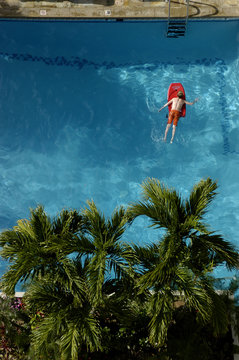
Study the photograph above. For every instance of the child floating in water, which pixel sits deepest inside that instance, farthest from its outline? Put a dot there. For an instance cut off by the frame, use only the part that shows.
(175, 113)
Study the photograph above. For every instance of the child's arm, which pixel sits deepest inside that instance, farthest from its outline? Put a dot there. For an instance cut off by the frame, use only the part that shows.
(165, 105)
(191, 103)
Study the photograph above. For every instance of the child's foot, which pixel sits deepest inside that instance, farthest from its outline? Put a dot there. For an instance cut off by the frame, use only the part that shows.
(171, 141)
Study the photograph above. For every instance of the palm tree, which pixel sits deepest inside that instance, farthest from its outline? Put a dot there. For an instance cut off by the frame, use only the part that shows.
(38, 252)
(108, 256)
(31, 247)
(66, 265)
(76, 269)
(68, 326)
(177, 267)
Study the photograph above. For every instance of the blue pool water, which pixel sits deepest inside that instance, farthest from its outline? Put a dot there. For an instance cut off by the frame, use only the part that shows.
(79, 120)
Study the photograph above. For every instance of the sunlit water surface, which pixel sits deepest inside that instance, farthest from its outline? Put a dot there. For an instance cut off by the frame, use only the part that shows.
(79, 120)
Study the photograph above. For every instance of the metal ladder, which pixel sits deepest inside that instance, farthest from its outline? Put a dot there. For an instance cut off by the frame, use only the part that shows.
(177, 27)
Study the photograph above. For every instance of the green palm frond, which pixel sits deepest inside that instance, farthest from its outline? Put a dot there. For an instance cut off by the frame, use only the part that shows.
(68, 229)
(146, 256)
(120, 266)
(72, 279)
(37, 246)
(10, 279)
(48, 297)
(193, 293)
(39, 225)
(68, 285)
(29, 262)
(166, 209)
(200, 295)
(220, 249)
(106, 253)
(67, 323)
(172, 248)
(68, 331)
(96, 221)
(101, 229)
(12, 242)
(219, 319)
(71, 342)
(118, 223)
(159, 276)
(201, 196)
(69, 221)
(26, 248)
(162, 205)
(96, 273)
(82, 329)
(193, 225)
(45, 335)
(168, 255)
(85, 246)
(161, 311)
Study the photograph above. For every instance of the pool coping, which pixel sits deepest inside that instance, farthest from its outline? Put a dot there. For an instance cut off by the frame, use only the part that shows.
(117, 9)
(112, 19)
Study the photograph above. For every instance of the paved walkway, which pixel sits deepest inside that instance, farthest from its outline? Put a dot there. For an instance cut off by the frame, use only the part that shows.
(117, 8)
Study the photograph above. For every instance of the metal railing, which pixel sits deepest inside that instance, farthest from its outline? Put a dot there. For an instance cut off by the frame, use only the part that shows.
(183, 21)
(169, 9)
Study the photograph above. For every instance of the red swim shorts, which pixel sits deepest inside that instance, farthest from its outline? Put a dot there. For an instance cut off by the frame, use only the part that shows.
(174, 116)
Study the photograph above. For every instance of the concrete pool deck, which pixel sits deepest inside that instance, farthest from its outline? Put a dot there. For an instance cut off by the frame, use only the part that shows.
(117, 9)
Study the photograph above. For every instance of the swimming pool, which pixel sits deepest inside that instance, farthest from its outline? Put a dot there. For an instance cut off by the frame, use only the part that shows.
(79, 120)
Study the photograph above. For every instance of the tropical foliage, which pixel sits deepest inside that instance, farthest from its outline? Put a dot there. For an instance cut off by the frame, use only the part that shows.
(183, 258)
(89, 293)
(14, 329)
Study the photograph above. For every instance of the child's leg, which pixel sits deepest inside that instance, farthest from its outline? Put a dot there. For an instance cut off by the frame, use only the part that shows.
(173, 133)
(166, 131)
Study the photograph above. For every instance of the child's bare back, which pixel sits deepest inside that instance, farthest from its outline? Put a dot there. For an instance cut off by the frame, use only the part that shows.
(177, 104)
